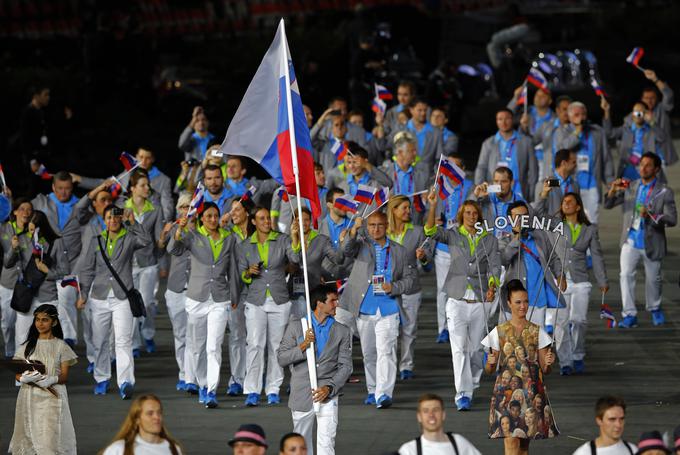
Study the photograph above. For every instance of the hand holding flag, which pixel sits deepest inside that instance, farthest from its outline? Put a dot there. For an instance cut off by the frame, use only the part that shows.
(40, 170)
(71, 280)
(452, 171)
(599, 91)
(339, 149)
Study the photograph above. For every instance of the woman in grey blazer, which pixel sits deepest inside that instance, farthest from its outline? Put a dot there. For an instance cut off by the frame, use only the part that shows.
(207, 295)
(145, 264)
(581, 236)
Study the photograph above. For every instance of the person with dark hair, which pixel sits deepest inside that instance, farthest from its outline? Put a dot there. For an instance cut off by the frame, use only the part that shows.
(439, 119)
(195, 138)
(143, 431)
(508, 148)
(293, 444)
(429, 139)
(284, 205)
(238, 185)
(637, 135)
(263, 261)
(333, 357)
(42, 422)
(431, 415)
(108, 302)
(13, 234)
(648, 209)
(336, 221)
(610, 417)
(661, 109)
(471, 283)
(357, 170)
(549, 198)
(518, 331)
(406, 93)
(546, 137)
(215, 191)
(208, 295)
(495, 203)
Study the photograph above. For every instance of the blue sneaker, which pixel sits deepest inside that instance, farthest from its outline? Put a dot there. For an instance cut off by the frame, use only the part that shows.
(90, 367)
(549, 329)
(384, 402)
(253, 399)
(235, 389)
(566, 371)
(370, 399)
(126, 390)
(210, 400)
(101, 388)
(628, 322)
(443, 336)
(463, 404)
(136, 353)
(191, 388)
(150, 346)
(181, 385)
(658, 317)
(273, 398)
(406, 375)
(579, 366)
(71, 342)
(202, 395)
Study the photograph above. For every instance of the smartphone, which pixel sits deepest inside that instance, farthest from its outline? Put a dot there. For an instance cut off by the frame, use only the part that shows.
(260, 264)
(553, 183)
(335, 112)
(217, 153)
(117, 211)
(493, 189)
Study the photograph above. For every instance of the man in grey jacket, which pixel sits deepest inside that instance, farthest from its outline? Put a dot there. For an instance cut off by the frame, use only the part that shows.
(333, 357)
(195, 138)
(648, 208)
(551, 196)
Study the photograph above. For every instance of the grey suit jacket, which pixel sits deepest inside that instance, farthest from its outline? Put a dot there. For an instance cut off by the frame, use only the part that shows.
(412, 239)
(662, 119)
(422, 179)
(469, 269)
(57, 264)
(652, 141)
(433, 148)
(70, 245)
(525, 156)
(361, 249)
(342, 267)
(272, 277)
(320, 252)
(552, 204)
(95, 275)
(661, 204)
(603, 167)
(152, 222)
(333, 366)
(10, 274)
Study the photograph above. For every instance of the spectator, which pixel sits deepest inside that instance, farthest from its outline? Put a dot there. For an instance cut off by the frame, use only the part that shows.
(292, 444)
(610, 416)
(249, 439)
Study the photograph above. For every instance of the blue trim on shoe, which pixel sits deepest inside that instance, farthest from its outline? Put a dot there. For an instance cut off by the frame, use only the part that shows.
(202, 395)
(566, 371)
(126, 390)
(273, 398)
(628, 322)
(235, 389)
(579, 366)
(101, 388)
(463, 403)
(384, 402)
(406, 375)
(150, 345)
(658, 318)
(181, 385)
(71, 342)
(90, 367)
(253, 399)
(136, 353)
(192, 388)
(370, 399)
(443, 337)
(211, 400)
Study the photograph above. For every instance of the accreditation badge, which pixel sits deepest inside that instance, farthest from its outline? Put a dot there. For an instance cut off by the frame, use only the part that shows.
(583, 163)
(378, 281)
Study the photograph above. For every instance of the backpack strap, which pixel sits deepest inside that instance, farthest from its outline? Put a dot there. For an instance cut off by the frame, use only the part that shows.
(627, 444)
(593, 448)
(453, 442)
(419, 446)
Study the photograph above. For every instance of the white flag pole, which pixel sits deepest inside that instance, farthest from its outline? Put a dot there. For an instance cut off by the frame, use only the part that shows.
(311, 361)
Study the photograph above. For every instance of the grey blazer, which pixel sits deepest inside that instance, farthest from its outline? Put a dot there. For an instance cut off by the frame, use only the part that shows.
(661, 203)
(320, 252)
(652, 141)
(526, 158)
(180, 267)
(553, 203)
(603, 168)
(95, 275)
(333, 366)
(58, 266)
(90, 228)
(469, 269)
(663, 120)
(422, 179)
(433, 148)
(70, 245)
(340, 268)
(10, 274)
(272, 278)
(152, 222)
(413, 238)
(361, 249)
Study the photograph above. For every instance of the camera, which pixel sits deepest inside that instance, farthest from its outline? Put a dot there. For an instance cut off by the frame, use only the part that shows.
(638, 114)
(553, 183)
(193, 162)
(117, 211)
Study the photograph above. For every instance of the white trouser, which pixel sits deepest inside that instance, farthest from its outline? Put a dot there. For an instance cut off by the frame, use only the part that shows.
(236, 320)
(410, 304)
(630, 256)
(68, 313)
(378, 335)
(24, 321)
(145, 280)
(86, 324)
(175, 302)
(577, 296)
(105, 313)
(591, 203)
(559, 319)
(265, 325)
(442, 262)
(466, 322)
(326, 427)
(204, 336)
(8, 317)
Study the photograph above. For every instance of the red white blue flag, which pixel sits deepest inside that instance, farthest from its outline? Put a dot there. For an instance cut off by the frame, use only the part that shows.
(635, 56)
(364, 194)
(128, 161)
(196, 204)
(382, 195)
(346, 204)
(523, 96)
(452, 171)
(599, 91)
(339, 149)
(538, 80)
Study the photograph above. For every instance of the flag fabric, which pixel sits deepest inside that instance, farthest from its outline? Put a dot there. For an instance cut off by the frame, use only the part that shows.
(346, 204)
(418, 203)
(128, 160)
(196, 204)
(249, 193)
(283, 194)
(42, 172)
(444, 189)
(261, 127)
(452, 171)
(537, 79)
(607, 314)
(599, 91)
(364, 194)
(2, 177)
(37, 246)
(116, 190)
(378, 105)
(339, 149)
(70, 280)
(635, 56)
(523, 96)
(340, 284)
(382, 93)
(382, 195)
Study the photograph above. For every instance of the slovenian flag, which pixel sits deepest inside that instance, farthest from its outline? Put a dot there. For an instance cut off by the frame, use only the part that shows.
(444, 190)
(452, 171)
(339, 149)
(128, 160)
(37, 246)
(115, 189)
(249, 193)
(418, 203)
(42, 172)
(70, 280)
(340, 284)
(196, 204)
(635, 56)
(524, 95)
(346, 204)
(378, 105)
(382, 93)
(382, 195)
(283, 194)
(599, 91)
(364, 194)
(607, 314)
(537, 79)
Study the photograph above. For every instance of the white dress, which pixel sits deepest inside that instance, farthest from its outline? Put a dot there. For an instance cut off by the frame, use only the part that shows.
(42, 422)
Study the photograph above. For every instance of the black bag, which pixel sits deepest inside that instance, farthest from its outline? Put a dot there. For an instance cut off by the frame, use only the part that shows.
(28, 284)
(133, 295)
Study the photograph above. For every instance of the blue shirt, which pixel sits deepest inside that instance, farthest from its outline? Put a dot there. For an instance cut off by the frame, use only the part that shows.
(446, 134)
(334, 230)
(153, 173)
(354, 185)
(507, 153)
(535, 279)
(539, 120)
(420, 135)
(64, 209)
(451, 206)
(643, 194)
(500, 210)
(223, 199)
(586, 179)
(403, 181)
(566, 185)
(385, 303)
(202, 142)
(321, 333)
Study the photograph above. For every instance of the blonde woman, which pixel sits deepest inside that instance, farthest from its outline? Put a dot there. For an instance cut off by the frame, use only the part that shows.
(143, 431)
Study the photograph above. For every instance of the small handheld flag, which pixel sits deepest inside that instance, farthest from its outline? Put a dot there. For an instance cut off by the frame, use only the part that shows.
(607, 314)
(523, 96)
(346, 204)
(635, 56)
(599, 91)
(128, 160)
(249, 193)
(340, 284)
(382, 93)
(452, 171)
(444, 190)
(42, 173)
(339, 149)
(283, 194)
(538, 80)
(37, 246)
(364, 194)
(418, 203)
(382, 195)
(196, 204)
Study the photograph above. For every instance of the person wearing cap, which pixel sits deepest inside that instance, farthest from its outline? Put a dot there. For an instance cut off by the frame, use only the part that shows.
(249, 439)
(676, 440)
(651, 443)
(610, 417)
(333, 357)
